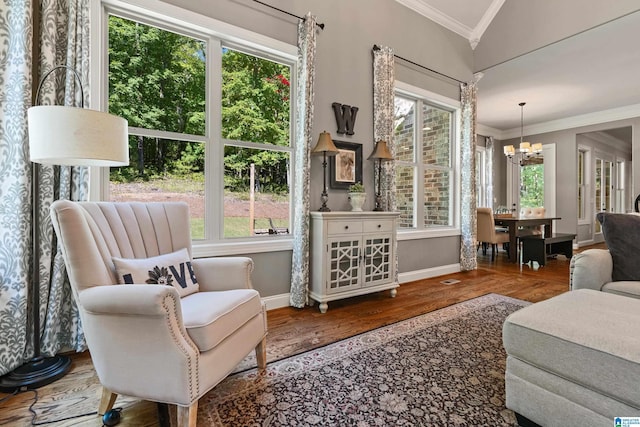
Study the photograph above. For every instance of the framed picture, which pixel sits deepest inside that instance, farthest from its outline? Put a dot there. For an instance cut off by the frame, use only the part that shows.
(345, 168)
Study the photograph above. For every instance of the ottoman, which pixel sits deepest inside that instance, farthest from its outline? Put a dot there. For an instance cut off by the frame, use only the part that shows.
(574, 360)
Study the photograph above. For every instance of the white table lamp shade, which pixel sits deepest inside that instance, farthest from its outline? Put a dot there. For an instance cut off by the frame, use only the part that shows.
(72, 136)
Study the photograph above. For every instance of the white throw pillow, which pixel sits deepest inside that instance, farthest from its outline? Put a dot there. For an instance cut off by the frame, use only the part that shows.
(173, 269)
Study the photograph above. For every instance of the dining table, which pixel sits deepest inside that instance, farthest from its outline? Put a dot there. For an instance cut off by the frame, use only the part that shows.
(513, 224)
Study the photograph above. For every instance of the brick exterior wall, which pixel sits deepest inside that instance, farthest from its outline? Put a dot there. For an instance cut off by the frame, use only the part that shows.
(436, 151)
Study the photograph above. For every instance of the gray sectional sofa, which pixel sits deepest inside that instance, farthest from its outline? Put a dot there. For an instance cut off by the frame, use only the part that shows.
(593, 269)
(574, 360)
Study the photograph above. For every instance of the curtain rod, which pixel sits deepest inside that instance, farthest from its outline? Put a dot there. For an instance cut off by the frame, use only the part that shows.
(376, 47)
(288, 13)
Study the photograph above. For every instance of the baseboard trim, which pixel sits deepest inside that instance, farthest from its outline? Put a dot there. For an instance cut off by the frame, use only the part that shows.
(276, 301)
(586, 243)
(427, 273)
(282, 300)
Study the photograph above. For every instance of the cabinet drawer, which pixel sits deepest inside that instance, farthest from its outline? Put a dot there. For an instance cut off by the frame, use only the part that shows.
(343, 227)
(374, 226)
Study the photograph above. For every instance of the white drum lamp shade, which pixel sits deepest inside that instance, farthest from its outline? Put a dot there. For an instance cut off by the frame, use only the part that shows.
(72, 136)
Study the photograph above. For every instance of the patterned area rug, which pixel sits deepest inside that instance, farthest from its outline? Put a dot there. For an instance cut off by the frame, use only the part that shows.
(444, 368)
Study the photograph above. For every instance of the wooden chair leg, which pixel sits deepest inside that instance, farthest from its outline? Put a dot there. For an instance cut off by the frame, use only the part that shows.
(261, 353)
(188, 415)
(107, 401)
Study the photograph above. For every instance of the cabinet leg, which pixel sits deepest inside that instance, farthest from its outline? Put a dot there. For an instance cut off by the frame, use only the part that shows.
(323, 307)
(393, 293)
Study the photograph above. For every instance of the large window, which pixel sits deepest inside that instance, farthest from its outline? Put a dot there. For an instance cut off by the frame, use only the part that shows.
(425, 148)
(209, 124)
(482, 185)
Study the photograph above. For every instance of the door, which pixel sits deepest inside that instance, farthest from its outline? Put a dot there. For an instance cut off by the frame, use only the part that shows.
(377, 260)
(344, 264)
(533, 182)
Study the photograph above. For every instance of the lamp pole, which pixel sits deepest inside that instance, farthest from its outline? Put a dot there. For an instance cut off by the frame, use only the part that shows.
(324, 197)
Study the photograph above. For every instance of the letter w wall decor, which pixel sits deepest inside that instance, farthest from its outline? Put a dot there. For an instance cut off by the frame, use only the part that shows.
(345, 117)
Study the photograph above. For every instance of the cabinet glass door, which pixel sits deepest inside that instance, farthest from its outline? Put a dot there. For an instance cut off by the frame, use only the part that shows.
(377, 260)
(344, 264)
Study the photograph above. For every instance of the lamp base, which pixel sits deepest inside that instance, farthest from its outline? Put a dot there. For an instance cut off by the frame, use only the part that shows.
(36, 373)
(324, 209)
(378, 207)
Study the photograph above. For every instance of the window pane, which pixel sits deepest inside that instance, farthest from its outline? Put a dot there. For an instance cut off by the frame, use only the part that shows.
(532, 185)
(156, 77)
(606, 186)
(405, 195)
(163, 171)
(437, 197)
(404, 129)
(436, 136)
(255, 99)
(266, 209)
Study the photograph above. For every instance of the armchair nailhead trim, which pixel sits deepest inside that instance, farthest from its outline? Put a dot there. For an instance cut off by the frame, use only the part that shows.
(170, 305)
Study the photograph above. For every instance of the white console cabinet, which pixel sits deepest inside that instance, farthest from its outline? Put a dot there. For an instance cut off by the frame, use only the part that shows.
(352, 253)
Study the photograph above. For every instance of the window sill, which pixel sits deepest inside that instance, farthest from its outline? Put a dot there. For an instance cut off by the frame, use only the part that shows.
(428, 234)
(208, 249)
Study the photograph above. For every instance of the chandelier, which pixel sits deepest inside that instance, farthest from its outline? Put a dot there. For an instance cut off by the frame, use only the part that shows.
(527, 149)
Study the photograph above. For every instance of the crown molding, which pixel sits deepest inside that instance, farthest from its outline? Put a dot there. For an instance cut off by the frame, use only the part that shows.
(487, 18)
(473, 35)
(488, 131)
(605, 116)
(438, 17)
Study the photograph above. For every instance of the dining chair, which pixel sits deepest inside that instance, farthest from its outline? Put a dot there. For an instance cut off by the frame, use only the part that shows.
(534, 230)
(486, 232)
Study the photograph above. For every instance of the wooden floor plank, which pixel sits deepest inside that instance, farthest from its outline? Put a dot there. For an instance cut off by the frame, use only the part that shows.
(292, 331)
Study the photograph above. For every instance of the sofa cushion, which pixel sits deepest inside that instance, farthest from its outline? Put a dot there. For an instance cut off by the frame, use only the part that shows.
(210, 317)
(588, 337)
(625, 288)
(173, 269)
(622, 236)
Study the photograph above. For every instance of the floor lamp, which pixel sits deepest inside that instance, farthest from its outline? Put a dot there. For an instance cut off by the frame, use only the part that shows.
(325, 146)
(381, 153)
(65, 136)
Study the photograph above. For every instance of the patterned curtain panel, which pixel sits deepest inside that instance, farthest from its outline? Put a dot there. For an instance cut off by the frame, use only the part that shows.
(383, 123)
(383, 120)
(63, 36)
(15, 181)
(64, 40)
(468, 218)
(301, 175)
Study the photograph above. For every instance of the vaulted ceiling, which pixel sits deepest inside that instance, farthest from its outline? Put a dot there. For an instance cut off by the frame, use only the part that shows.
(588, 77)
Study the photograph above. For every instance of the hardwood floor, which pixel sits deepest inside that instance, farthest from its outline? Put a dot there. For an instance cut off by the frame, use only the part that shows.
(292, 331)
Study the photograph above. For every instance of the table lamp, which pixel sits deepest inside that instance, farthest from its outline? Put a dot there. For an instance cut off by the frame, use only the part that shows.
(325, 146)
(380, 153)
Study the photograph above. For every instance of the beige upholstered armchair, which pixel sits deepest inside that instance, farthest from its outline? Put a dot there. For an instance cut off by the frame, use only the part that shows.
(168, 344)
